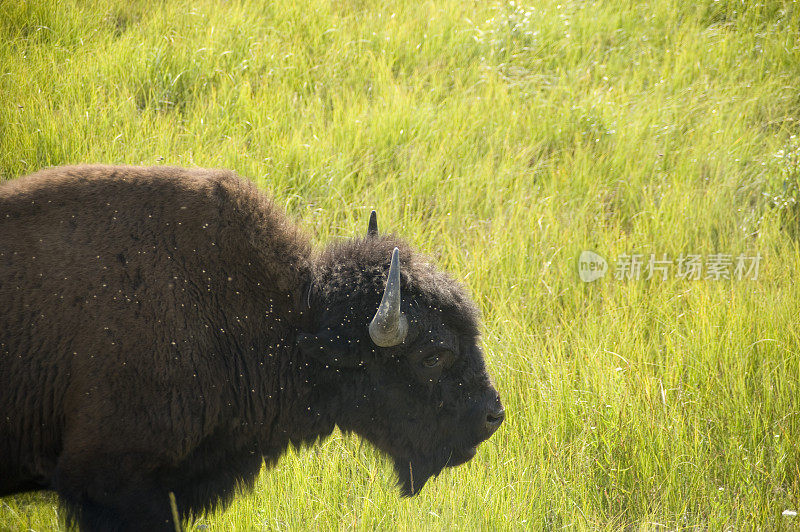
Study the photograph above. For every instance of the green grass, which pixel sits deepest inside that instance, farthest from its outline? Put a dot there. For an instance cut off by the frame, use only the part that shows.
(503, 140)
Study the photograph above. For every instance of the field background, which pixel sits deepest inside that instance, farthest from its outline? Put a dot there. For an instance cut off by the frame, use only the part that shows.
(503, 138)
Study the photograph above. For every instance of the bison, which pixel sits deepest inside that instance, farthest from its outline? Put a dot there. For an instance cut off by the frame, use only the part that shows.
(166, 331)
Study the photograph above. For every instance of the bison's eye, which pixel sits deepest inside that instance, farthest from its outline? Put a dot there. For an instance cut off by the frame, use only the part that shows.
(432, 361)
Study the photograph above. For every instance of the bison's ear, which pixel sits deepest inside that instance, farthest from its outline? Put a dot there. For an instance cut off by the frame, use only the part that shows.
(330, 349)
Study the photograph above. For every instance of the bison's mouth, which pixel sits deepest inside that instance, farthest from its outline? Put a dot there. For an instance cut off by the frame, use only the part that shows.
(462, 457)
(413, 473)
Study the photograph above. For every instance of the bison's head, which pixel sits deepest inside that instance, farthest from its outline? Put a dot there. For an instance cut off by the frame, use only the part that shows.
(396, 352)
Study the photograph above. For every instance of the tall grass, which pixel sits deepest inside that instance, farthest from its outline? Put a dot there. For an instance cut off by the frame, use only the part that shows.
(502, 138)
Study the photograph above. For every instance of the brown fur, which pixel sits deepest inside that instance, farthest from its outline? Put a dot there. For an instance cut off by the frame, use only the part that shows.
(164, 329)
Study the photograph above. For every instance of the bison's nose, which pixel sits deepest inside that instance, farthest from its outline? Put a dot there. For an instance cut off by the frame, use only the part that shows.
(494, 419)
(493, 414)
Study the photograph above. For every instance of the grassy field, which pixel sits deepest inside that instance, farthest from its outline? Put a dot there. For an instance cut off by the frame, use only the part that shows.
(503, 139)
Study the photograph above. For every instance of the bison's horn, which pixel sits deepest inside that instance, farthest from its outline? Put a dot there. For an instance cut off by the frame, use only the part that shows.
(389, 326)
(372, 228)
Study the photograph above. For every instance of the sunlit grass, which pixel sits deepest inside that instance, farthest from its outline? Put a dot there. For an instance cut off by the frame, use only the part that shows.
(503, 139)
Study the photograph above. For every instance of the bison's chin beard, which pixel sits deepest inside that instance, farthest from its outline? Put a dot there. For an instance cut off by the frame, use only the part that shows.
(414, 472)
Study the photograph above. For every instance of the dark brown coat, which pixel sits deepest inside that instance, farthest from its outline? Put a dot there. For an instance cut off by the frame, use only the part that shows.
(165, 330)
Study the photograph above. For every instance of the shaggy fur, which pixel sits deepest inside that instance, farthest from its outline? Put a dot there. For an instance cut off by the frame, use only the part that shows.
(166, 330)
